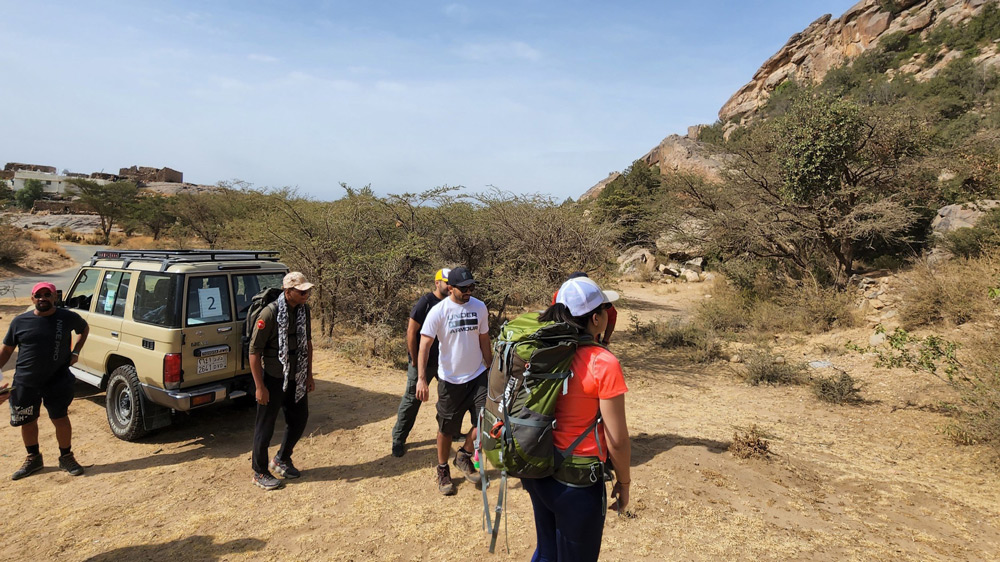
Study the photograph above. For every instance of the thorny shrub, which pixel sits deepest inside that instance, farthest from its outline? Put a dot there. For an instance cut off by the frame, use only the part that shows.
(837, 389)
(762, 367)
(750, 444)
(695, 343)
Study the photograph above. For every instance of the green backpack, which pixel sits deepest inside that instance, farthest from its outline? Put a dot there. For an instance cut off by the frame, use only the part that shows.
(530, 371)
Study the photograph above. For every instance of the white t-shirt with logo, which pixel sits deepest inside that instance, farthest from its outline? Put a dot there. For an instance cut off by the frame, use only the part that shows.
(457, 327)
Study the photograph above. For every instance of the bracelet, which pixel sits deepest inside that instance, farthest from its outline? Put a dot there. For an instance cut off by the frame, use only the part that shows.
(624, 483)
(77, 353)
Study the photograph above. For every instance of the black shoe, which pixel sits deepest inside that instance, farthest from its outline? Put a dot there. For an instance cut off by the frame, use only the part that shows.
(266, 481)
(398, 449)
(68, 463)
(31, 465)
(284, 469)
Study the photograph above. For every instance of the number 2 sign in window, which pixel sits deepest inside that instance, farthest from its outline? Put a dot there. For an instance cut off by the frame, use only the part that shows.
(208, 300)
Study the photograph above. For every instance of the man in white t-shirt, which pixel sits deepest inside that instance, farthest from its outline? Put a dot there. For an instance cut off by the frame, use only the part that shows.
(460, 323)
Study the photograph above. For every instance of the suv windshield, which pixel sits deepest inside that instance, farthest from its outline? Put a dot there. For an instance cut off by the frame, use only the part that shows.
(157, 300)
(246, 286)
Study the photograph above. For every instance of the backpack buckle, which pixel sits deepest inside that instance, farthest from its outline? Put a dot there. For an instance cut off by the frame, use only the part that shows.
(496, 430)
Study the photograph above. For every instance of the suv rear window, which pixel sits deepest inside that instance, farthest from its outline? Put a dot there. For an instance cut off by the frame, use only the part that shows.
(158, 300)
(246, 286)
(208, 300)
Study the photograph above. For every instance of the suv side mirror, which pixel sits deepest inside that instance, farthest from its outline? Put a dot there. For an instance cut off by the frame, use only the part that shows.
(59, 299)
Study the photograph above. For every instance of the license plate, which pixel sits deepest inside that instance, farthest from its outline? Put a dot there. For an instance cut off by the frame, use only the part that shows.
(213, 363)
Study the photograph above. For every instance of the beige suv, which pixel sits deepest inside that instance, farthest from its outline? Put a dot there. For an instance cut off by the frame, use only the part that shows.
(166, 329)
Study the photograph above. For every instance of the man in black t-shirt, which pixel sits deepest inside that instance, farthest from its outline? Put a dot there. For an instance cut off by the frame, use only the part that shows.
(409, 405)
(42, 338)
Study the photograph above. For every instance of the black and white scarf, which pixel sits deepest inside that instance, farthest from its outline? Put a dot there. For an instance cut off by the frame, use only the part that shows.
(302, 353)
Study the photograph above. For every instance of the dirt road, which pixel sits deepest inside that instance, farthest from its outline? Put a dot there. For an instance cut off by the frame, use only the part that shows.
(871, 482)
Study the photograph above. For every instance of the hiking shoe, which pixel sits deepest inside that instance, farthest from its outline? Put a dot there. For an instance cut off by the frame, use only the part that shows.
(445, 485)
(266, 481)
(398, 449)
(68, 463)
(463, 462)
(284, 469)
(31, 465)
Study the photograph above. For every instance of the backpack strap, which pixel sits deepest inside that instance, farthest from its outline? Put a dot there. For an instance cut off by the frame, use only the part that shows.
(568, 452)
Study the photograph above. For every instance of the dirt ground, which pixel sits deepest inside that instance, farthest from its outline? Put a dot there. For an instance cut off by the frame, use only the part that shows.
(876, 481)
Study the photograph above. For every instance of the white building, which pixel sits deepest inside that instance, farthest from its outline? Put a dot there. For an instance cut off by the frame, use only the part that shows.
(51, 183)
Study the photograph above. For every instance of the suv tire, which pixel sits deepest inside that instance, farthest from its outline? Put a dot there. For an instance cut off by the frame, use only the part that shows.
(124, 404)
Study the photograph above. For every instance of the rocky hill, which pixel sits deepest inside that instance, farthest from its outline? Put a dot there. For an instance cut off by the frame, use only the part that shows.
(827, 43)
(807, 57)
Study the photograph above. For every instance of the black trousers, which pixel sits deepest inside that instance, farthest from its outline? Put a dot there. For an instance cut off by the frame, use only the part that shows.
(296, 416)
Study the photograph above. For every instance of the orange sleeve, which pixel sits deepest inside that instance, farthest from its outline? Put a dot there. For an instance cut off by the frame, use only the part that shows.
(609, 376)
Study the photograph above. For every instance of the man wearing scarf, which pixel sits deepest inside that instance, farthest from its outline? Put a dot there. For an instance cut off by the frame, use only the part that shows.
(281, 364)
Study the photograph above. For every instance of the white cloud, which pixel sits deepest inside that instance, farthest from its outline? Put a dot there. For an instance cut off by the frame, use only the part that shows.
(489, 52)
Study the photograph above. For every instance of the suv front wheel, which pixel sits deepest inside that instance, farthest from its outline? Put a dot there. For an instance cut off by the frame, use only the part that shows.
(124, 404)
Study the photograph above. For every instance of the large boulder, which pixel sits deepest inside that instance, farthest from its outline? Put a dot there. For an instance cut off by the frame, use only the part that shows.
(960, 215)
(636, 260)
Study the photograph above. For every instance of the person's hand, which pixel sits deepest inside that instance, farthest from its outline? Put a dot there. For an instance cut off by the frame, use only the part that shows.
(310, 384)
(263, 396)
(620, 494)
(73, 358)
(423, 391)
(6, 394)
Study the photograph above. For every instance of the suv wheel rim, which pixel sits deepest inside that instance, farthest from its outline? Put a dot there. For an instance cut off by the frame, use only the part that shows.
(123, 400)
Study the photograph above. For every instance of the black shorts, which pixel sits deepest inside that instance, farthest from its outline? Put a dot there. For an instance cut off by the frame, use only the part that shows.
(26, 401)
(454, 400)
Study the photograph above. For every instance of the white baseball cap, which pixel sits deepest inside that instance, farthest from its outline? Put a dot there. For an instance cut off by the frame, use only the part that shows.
(581, 295)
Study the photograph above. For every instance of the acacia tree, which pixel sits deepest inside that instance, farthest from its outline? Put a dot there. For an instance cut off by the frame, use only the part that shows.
(208, 215)
(814, 186)
(113, 202)
(154, 213)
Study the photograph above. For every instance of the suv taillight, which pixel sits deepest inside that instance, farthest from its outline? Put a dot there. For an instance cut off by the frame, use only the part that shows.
(172, 370)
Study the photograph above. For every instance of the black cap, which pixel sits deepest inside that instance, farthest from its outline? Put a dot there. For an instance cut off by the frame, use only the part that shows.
(460, 277)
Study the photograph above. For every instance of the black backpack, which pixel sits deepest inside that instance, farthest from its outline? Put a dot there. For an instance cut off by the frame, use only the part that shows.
(261, 300)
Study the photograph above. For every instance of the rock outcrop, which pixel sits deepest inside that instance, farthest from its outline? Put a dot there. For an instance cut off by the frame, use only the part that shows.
(827, 43)
(674, 154)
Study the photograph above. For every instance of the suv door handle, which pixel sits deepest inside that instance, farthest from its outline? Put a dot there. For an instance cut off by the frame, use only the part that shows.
(114, 334)
(225, 329)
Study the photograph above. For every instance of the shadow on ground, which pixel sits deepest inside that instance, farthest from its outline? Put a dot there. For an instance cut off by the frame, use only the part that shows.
(198, 548)
(226, 430)
(650, 361)
(645, 446)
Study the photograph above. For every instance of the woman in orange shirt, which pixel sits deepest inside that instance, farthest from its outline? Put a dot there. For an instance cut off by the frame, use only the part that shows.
(569, 518)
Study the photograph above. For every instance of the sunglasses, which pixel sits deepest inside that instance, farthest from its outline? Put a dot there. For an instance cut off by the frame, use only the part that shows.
(41, 295)
(465, 289)
(301, 292)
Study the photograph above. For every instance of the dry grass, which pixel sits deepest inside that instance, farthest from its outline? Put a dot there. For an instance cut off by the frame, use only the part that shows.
(45, 243)
(809, 310)
(955, 293)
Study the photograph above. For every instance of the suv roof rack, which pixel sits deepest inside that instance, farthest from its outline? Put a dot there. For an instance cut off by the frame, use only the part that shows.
(166, 258)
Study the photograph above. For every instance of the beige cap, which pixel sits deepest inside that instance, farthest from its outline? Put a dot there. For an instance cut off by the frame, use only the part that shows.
(296, 280)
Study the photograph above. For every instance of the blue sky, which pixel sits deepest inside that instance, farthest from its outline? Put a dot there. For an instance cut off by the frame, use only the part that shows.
(525, 95)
